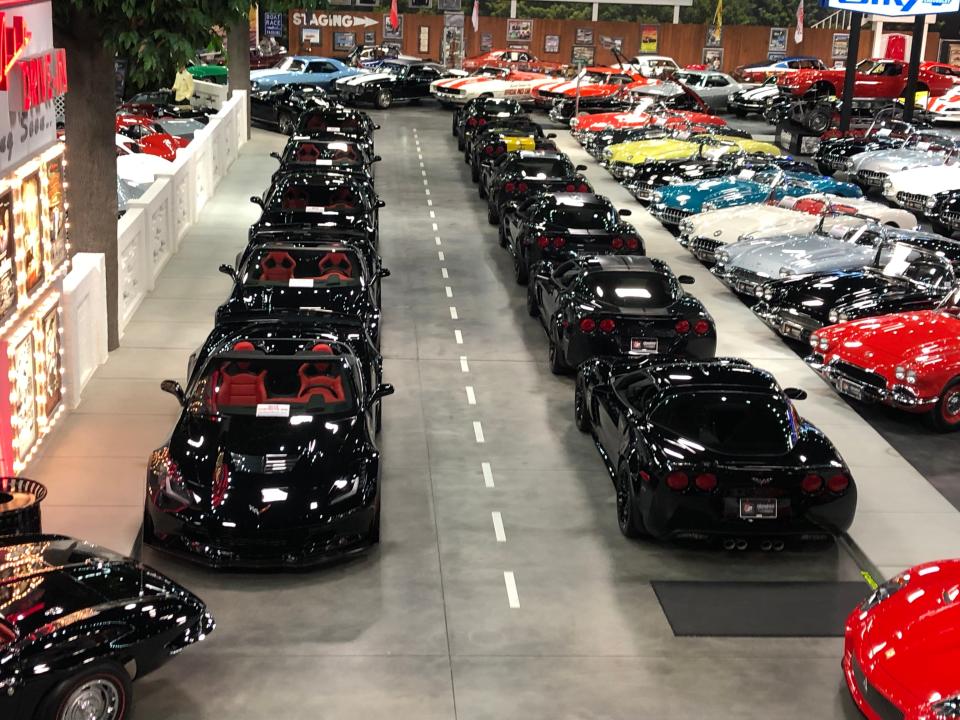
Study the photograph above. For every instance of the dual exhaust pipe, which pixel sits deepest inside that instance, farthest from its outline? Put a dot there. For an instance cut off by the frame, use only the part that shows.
(741, 544)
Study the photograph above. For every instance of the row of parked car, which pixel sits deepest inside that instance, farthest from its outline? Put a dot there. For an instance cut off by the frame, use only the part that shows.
(682, 433)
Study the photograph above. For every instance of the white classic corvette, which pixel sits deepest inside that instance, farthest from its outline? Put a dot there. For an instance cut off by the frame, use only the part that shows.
(912, 188)
(489, 82)
(705, 233)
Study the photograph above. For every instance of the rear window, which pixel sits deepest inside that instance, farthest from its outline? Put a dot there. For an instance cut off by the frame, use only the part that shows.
(630, 289)
(587, 217)
(544, 168)
(730, 423)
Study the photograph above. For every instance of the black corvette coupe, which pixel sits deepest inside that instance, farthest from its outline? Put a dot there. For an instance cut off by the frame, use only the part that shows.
(273, 461)
(326, 278)
(480, 111)
(78, 623)
(903, 277)
(562, 225)
(714, 448)
(612, 305)
(340, 155)
(523, 174)
(391, 81)
(499, 138)
(333, 201)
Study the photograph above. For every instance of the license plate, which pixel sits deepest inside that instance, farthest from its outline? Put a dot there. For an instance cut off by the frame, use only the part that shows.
(792, 330)
(643, 345)
(758, 508)
(848, 388)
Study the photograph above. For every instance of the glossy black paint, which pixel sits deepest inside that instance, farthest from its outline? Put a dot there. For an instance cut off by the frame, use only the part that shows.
(507, 180)
(618, 402)
(522, 226)
(326, 155)
(278, 107)
(479, 112)
(833, 153)
(945, 214)
(494, 136)
(402, 79)
(66, 606)
(682, 99)
(299, 492)
(332, 120)
(562, 295)
(162, 104)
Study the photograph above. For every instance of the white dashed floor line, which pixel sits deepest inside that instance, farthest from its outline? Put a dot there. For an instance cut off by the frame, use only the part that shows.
(471, 395)
(487, 474)
(478, 431)
(444, 273)
(453, 313)
(498, 530)
(435, 227)
(449, 291)
(464, 365)
(458, 336)
(437, 240)
(513, 597)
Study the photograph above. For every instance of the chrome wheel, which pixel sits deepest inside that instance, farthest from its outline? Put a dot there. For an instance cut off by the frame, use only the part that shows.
(96, 699)
(951, 406)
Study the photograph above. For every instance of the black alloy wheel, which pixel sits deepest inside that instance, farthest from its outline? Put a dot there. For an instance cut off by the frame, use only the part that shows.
(557, 365)
(521, 272)
(493, 217)
(532, 309)
(502, 236)
(384, 98)
(285, 122)
(580, 415)
(628, 516)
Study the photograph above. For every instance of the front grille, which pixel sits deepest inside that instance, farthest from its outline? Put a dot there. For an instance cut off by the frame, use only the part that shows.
(912, 201)
(858, 374)
(643, 191)
(871, 178)
(672, 216)
(951, 218)
(704, 248)
(549, 94)
(448, 91)
(834, 163)
(269, 464)
(745, 281)
(881, 706)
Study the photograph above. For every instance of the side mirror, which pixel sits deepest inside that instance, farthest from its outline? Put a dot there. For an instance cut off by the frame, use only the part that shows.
(376, 127)
(383, 272)
(581, 168)
(256, 200)
(376, 158)
(795, 393)
(624, 213)
(173, 387)
(551, 136)
(276, 156)
(228, 270)
(381, 203)
(382, 392)
(686, 279)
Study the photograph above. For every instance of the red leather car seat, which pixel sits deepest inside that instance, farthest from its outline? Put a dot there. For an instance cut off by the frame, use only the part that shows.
(277, 266)
(308, 153)
(335, 265)
(315, 379)
(294, 198)
(238, 384)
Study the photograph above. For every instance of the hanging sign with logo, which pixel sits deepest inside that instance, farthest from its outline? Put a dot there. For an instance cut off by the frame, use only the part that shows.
(273, 24)
(335, 20)
(895, 8)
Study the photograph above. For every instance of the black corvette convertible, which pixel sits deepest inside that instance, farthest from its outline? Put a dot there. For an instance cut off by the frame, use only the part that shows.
(273, 461)
(332, 201)
(326, 155)
(325, 278)
(480, 111)
(499, 138)
(336, 121)
(523, 174)
(562, 225)
(903, 277)
(78, 623)
(279, 106)
(716, 448)
(833, 153)
(612, 305)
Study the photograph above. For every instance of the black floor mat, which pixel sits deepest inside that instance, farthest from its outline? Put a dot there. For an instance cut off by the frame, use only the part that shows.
(758, 609)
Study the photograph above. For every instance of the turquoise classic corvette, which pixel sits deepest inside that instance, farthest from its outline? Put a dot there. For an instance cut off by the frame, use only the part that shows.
(673, 203)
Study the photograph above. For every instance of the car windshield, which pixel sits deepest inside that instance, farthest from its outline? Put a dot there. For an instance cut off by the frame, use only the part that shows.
(329, 199)
(594, 216)
(951, 303)
(269, 387)
(292, 267)
(930, 142)
(597, 78)
(492, 72)
(691, 79)
(630, 289)
(542, 168)
(290, 65)
(330, 122)
(330, 153)
(729, 423)
(904, 261)
(397, 69)
(35, 600)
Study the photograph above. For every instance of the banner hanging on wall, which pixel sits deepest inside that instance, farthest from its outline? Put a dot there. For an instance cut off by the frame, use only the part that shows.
(895, 8)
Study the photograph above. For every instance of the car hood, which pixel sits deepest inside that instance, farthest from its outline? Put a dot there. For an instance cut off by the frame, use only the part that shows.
(929, 179)
(894, 160)
(721, 191)
(367, 77)
(758, 93)
(797, 252)
(917, 337)
(760, 218)
(817, 295)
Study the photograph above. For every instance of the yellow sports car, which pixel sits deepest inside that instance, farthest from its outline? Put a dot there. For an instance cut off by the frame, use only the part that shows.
(621, 159)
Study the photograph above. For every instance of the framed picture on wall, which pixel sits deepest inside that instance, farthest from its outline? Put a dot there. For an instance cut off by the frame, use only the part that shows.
(838, 49)
(420, 3)
(365, 3)
(583, 36)
(519, 30)
(310, 36)
(611, 42)
(370, 37)
(582, 55)
(775, 56)
(8, 279)
(341, 2)
(449, 5)
(713, 58)
(31, 226)
(344, 40)
(551, 44)
(516, 46)
(649, 36)
(778, 40)
(389, 33)
(486, 42)
(714, 37)
(423, 39)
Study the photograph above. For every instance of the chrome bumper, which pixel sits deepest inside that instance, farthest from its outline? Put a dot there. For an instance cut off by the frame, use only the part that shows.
(898, 396)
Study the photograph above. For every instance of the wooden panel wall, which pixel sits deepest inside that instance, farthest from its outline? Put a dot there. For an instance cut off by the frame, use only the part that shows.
(741, 43)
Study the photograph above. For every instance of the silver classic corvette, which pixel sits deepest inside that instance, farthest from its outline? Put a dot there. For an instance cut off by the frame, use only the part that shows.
(870, 169)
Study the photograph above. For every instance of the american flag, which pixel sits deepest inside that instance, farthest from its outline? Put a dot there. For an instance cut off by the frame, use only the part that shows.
(475, 18)
(798, 33)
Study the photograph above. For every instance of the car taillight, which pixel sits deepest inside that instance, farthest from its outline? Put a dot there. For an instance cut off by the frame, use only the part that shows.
(559, 242)
(500, 150)
(838, 483)
(522, 187)
(488, 150)
(678, 481)
(510, 187)
(701, 327)
(645, 476)
(481, 122)
(221, 483)
(706, 482)
(472, 122)
(632, 243)
(811, 484)
(583, 187)
(682, 327)
(588, 325)
(543, 241)
(570, 187)
(607, 325)
(617, 243)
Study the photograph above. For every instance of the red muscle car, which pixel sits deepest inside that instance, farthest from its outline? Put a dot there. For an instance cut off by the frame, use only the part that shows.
(902, 646)
(593, 82)
(875, 78)
(513, 59)
(908, 360)
(149, 136)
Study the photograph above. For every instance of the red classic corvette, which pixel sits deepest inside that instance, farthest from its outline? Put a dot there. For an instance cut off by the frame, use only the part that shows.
(875, 78)
(909, 360)
(149, 136)
(514, 59)
(593, 81)
(902, 646)
(638, 118)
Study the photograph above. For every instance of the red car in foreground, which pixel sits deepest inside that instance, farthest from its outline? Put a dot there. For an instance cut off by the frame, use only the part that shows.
(149, 136)
(902, 646)
(513, 59)
(908, 360)
(875, 78)
(593, 82)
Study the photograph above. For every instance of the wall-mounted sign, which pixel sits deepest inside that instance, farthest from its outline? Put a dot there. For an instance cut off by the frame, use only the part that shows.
(273, 24)
(322, 19)
(895, 8)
